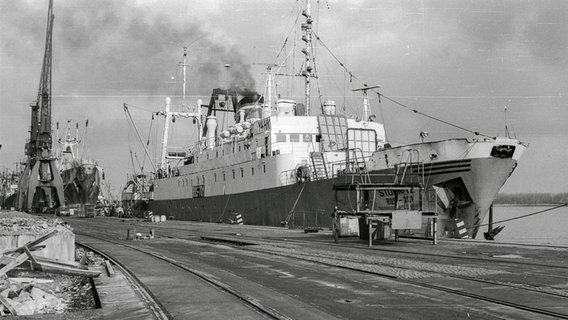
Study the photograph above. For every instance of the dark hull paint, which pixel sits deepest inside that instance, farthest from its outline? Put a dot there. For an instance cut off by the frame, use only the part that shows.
(81, 185)
(310, 203)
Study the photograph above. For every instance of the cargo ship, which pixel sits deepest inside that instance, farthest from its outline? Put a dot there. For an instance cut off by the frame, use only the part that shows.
(276, 164)
(81, 175)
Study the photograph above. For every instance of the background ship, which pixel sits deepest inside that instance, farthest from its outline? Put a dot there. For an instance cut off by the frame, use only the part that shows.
(81, 175)
(274, 163)
(9, 180)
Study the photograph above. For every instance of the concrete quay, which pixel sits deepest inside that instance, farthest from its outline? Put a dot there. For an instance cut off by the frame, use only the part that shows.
(292, 273)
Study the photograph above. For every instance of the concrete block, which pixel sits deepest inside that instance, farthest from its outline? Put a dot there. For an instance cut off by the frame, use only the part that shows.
(25, 308)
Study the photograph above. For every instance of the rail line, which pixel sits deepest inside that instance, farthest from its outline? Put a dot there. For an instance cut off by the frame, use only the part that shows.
(156, 307)
(251, 241)
(247, 244)
(419, 283)
(153, 304)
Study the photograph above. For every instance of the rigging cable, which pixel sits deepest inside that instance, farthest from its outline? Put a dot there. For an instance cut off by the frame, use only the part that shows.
(477, 133)
(352, 76)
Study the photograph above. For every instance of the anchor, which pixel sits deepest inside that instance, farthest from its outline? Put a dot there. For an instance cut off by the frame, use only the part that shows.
(492, 232)
(490, 235)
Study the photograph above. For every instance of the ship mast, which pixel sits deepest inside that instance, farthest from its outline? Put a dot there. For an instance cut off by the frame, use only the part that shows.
(307, 51)
(168, 115)
(184, 68)
(172, 115)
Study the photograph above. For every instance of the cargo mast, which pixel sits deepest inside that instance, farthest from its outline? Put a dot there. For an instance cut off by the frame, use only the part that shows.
(41, 186)
(307, 51)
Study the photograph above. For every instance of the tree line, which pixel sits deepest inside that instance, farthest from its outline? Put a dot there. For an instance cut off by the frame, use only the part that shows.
(535, 198)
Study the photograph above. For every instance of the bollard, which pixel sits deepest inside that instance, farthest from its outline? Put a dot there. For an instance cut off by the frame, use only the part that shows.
(152, 233)
(434, 230)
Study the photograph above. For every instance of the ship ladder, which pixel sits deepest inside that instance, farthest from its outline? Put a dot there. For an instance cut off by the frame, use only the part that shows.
(359, 165)
(408, 159)
(318, 163)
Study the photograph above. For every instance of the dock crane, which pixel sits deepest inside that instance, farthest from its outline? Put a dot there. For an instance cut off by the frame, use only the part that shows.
(41, 186)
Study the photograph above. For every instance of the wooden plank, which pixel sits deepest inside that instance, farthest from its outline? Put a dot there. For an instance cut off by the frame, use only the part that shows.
(109, 269)
(72, 264)
(18, 261)
(62, 269)
(8, 305)
(29, 254)
(32, 244)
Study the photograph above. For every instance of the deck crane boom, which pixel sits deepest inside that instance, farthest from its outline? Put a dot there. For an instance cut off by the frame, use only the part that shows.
(41, 185)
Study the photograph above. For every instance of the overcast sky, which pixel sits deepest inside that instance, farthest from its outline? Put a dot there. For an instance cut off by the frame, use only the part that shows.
(461, 61)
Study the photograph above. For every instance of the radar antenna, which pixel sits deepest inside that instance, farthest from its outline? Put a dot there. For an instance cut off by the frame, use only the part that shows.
(365, 100)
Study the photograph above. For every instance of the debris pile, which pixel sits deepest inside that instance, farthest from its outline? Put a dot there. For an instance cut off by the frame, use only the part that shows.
(34, 284)
(31, 292)
(21, 296)
(13, 223)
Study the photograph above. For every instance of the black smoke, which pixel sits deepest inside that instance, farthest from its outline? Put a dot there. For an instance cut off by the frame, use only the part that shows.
(108, 47)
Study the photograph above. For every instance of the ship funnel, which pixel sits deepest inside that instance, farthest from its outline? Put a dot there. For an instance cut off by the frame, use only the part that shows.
(211, 125)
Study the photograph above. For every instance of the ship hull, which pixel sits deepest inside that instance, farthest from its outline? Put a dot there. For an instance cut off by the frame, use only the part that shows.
(309, 204)
(296, 205)
(81, 184)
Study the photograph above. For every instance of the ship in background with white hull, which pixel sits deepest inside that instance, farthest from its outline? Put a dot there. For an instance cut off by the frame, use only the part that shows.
(276, 164)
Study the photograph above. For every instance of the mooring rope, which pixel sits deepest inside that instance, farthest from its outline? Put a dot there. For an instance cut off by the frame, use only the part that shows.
(525, 215)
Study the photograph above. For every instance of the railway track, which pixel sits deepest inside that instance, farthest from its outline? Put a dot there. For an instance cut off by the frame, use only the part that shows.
(152, 303)
(155, 306)
(443, 281)
(338, 262)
